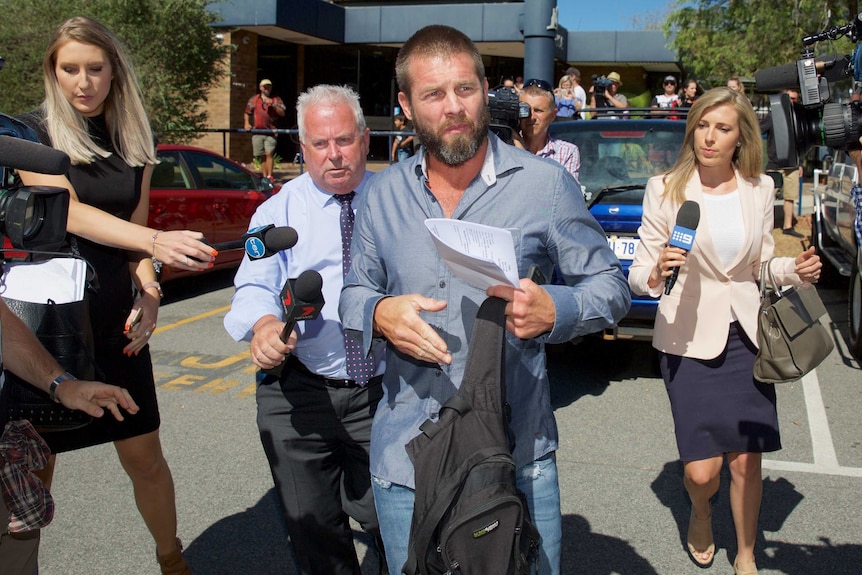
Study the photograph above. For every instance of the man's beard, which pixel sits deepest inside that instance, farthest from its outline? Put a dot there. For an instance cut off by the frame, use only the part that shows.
(459, 148)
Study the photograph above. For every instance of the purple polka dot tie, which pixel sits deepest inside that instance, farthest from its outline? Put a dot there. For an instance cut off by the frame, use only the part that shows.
(360, 368)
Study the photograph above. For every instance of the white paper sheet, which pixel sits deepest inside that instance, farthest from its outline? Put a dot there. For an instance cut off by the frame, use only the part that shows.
(483, 256)
(61, 280)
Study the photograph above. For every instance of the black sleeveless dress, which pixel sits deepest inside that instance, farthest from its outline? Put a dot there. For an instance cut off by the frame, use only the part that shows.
(114, 187)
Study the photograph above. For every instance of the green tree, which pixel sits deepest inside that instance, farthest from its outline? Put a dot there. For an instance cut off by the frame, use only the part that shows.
(716, 39)
(172, 44)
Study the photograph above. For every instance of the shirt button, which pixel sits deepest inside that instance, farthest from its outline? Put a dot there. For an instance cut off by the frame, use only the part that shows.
(442, 283)
(438, 373)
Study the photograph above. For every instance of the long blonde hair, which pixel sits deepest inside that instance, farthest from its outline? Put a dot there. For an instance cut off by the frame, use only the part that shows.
(125, 114)
(748, 158)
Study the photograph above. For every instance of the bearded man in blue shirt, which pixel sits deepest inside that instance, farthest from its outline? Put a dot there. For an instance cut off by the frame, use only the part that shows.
(400, 290)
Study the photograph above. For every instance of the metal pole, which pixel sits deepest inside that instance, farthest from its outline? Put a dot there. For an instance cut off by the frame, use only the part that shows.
(539, 32)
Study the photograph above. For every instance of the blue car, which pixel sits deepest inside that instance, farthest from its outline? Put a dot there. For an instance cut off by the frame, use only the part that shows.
(617, 159)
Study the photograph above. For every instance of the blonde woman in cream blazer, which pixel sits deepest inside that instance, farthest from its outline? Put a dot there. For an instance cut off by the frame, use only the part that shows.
(706, 327)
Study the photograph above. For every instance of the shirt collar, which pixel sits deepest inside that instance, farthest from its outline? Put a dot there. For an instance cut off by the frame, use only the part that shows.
(498, 160)
(323, 197)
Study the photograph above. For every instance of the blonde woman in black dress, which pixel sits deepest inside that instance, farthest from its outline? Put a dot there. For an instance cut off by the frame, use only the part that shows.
(93, 111)
(706, 327)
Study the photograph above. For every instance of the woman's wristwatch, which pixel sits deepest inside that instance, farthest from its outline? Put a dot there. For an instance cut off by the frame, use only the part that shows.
(52, 388)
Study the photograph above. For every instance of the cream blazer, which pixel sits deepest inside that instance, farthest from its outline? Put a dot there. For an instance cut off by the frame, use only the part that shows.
(692, 320)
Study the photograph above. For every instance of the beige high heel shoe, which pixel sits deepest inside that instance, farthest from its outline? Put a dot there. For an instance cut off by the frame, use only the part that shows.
(701, 526)
(746, 569)
(173, 563)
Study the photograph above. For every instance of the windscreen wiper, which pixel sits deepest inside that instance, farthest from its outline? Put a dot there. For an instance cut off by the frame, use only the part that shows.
(614, 190)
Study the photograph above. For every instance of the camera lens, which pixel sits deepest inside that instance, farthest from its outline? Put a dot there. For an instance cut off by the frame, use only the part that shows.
(34, 217)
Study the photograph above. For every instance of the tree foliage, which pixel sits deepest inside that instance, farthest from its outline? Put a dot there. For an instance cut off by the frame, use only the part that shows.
(716, 39)
(170, 42)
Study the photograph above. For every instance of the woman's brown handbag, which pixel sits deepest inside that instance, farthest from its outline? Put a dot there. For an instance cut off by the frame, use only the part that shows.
(791, 338)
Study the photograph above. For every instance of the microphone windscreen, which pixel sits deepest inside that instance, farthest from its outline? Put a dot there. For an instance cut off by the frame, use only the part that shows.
(777, 78)
(30, 156)
(280, 238)
(682, 235)
(308, 286)
(688, 215)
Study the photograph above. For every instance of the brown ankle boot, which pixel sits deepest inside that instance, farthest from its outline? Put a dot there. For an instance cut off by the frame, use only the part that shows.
(173, 563)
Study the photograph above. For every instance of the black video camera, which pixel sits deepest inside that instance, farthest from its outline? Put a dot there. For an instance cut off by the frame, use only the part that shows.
(600, 86)
(32, 217)
(814, 121)
(506, 112)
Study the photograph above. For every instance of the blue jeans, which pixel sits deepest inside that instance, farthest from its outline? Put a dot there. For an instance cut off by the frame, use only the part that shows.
(537, 480)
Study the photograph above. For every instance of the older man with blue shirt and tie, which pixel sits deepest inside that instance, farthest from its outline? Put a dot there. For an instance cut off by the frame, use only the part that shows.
(315, 419)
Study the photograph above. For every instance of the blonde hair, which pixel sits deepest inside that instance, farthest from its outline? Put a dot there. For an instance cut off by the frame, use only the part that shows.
(125, 114)
(748, 157)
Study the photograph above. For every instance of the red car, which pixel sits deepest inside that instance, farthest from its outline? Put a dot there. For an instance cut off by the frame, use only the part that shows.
(196, 189)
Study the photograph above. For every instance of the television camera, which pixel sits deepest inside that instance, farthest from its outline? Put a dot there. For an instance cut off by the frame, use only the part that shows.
(32, 217)
(506, 112)
(815, 121)
(600, 86)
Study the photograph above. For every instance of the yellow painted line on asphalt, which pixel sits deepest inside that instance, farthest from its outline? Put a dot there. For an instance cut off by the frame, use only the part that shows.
(194, 318)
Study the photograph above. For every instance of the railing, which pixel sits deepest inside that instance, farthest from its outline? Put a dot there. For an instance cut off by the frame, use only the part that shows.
(390, 134)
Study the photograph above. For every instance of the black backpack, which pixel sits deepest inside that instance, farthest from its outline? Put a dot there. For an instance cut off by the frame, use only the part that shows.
(468, 517)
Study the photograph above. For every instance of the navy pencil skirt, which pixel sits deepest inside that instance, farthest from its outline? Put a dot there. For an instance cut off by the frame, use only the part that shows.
(717, 405)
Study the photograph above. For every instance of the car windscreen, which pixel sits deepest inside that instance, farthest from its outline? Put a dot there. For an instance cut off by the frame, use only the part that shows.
(619, 156)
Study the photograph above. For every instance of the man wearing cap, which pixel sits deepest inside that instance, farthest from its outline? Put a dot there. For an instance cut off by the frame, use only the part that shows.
(580, 93)
(262, 113)
(669, 98)
(612, 98)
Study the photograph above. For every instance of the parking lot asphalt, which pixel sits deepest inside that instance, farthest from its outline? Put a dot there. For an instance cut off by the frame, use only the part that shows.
(623, 503)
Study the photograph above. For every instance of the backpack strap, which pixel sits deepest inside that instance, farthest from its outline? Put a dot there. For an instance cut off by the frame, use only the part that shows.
(484, 367)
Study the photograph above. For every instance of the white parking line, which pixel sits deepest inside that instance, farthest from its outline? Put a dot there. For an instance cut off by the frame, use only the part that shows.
(825, 458)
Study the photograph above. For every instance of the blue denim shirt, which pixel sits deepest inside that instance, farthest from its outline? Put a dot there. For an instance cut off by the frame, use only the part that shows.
(393, 254)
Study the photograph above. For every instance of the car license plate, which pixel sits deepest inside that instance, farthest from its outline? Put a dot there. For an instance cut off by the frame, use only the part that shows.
(624, 248)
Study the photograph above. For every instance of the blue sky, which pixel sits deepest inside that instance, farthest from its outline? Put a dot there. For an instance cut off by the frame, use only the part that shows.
(589, 15)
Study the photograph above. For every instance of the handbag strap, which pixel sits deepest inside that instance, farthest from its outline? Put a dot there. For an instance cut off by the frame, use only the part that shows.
(767, 282)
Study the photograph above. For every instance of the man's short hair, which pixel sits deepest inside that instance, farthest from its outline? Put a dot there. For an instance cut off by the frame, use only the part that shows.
(328, 94)
(574, 72)
(435, 41)
(534, 90)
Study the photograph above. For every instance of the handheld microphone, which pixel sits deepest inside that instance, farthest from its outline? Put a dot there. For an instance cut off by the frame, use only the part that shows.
(682, 235)
(28, 156)
(302, 299)
(263, 241)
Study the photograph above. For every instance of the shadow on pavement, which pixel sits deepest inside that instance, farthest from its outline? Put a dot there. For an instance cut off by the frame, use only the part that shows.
(255, 542)
(780, 498)
(590, 366)
(598, 554)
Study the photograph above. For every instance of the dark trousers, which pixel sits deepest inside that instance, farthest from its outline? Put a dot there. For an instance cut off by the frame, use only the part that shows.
(19, 553)
(317, 440)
